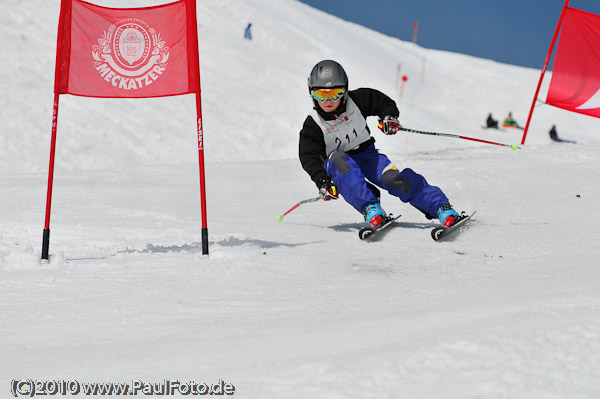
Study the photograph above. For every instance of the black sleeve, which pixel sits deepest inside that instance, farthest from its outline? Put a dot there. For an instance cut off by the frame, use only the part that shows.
(312, 151)
(372, 102)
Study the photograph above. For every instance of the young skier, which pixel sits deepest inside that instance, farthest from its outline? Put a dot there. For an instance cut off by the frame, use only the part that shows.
(337, 151)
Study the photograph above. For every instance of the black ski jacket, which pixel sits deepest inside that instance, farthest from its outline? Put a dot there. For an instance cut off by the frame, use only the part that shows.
(312, 154)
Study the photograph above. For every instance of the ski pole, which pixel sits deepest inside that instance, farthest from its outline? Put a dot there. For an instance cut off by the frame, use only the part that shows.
(514, 146)
(280, 217)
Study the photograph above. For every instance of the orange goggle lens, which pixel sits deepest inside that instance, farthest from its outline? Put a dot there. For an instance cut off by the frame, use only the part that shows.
(323, 95)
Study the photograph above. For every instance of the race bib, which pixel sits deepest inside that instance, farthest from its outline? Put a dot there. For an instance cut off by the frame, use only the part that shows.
(345, 133)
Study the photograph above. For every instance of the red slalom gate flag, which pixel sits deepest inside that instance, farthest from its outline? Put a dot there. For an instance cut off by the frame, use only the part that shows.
(127, 52)
(575, 83)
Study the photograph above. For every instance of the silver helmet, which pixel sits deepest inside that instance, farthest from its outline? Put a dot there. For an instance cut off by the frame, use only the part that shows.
(326, 74)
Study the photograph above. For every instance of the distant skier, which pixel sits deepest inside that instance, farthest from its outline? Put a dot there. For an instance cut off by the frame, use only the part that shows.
(510, 122)
(554, 136)
(248, 32)
(337, 151)
(491, 122)
(553, 133)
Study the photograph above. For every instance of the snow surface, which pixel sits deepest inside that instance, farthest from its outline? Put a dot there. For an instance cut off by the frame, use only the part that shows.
(298, 309)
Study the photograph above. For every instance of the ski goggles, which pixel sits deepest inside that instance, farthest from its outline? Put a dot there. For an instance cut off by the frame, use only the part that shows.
(322, 95)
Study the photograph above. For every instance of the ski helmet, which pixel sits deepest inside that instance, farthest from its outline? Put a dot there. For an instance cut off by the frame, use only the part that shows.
(327, 74)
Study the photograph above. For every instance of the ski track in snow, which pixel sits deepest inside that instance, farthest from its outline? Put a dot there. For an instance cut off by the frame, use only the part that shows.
(303, 308)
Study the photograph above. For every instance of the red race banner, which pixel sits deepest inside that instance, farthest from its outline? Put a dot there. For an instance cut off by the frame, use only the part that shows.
(127, 52)
(575, 83)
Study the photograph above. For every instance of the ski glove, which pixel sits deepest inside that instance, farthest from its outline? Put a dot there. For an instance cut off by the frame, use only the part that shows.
(389, 125)
(327, 190)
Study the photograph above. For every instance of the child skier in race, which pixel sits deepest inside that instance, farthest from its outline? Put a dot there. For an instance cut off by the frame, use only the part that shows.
(337, 151)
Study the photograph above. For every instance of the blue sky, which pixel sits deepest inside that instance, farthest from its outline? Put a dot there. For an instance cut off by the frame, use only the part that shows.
(515, 32)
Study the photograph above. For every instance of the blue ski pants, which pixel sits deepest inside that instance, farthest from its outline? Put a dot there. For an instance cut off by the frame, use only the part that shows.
(348, 173)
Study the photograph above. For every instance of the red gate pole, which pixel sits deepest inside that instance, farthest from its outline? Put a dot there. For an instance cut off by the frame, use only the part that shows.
(46, 236)
(562, 14)
(415, 29)
(202, 174)
(397, 86)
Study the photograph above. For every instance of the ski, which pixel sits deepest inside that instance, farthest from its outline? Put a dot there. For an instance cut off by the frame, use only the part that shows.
(439, 233)
(369, 231)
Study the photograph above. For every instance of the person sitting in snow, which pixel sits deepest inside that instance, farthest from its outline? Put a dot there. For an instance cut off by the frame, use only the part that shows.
(491, 122)
(510, 122)
(338, 153)
(554, 136)
(553, 133)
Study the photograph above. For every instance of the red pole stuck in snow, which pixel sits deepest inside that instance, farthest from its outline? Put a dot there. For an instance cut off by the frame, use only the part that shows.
(202, 174)
(537, 90)
(404, 80)
(415, 30)
(397, 86)
(46, 238)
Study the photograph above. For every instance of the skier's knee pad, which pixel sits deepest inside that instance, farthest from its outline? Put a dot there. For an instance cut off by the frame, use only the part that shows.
(338, 159)
(392, 178)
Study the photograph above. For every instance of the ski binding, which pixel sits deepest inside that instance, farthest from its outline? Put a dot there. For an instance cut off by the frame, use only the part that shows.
(368, 231)
(440, 232)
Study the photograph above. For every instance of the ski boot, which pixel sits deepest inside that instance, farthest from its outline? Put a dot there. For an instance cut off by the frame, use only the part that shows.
(447, 215)
(374, 215)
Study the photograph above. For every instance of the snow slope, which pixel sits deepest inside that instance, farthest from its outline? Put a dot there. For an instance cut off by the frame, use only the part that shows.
(299, 309)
